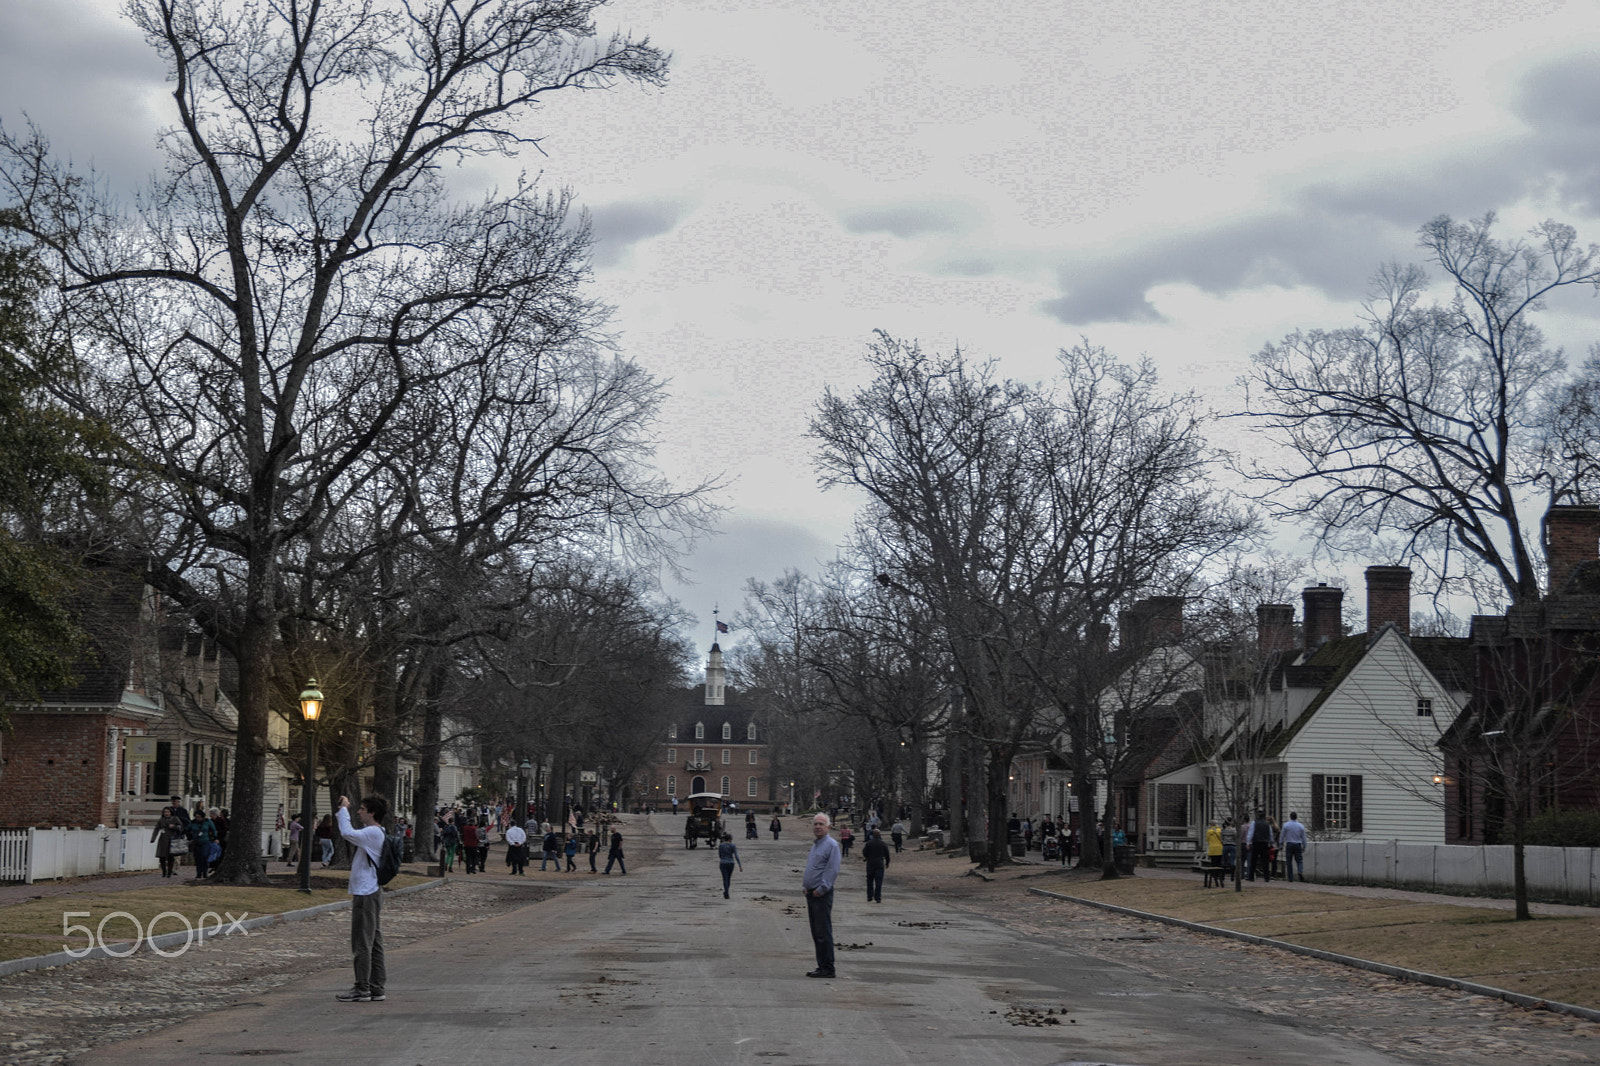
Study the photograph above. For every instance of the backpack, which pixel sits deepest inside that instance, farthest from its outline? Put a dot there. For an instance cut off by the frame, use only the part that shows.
(389, 857)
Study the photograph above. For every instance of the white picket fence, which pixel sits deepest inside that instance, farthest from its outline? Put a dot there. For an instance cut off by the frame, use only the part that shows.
(30, 855)
(1571, 874)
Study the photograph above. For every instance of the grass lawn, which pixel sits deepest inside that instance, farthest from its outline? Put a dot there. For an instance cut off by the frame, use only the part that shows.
(1554, 958)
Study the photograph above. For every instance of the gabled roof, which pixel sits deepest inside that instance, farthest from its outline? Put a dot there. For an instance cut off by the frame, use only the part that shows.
(688, 706)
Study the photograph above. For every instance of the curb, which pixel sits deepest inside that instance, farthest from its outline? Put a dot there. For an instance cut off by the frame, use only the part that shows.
(1455, 984)
(167, 940)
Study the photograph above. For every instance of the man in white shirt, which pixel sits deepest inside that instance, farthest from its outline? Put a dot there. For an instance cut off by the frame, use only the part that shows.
(366, 897)
(517, 852)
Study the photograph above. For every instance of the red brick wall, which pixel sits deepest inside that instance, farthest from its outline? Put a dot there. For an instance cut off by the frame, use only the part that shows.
(1388, 597)
(1572, 536)
(54, 771)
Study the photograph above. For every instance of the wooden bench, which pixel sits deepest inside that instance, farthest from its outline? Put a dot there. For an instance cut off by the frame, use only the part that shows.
(1217, 875)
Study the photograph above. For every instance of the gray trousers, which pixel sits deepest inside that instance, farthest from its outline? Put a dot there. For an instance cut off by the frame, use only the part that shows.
(366, 941)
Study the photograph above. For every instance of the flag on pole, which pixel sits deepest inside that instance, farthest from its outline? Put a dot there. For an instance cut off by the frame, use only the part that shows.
(722, 627)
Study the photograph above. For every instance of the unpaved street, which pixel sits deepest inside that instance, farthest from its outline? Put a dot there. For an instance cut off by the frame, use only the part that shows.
(658, 968)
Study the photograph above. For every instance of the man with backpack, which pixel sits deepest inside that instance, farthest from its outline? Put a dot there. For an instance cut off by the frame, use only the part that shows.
(370, 848)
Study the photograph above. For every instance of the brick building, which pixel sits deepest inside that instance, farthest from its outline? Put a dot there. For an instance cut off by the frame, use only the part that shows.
(713, 743)
(64, 760)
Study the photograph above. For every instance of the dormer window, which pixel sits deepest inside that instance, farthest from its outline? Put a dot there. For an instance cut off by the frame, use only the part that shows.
(750, 733)
(672, 732)
(727, 731)
(699, 730)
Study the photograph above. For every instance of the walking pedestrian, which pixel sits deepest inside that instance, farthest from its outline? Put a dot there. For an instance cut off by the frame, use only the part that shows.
(483, 844)
(469, 846)
(591, 844)
(168, 828)
(202, 835)
(615, 854)
(449, 840)
(727, 855)
(551, 852)
(876, 852)
(366, 898)
(1230, 843)
(775, 826)
(822, 869)
(325, 838)
(1258, 838)
(572, 852)
(1293, 839)
(897, 833)
(295, 831)
(1214, 844)
(846, 838)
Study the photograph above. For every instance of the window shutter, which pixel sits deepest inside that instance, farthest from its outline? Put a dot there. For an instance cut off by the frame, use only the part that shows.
(1355, 803)
(161, 772)
(1317, 798)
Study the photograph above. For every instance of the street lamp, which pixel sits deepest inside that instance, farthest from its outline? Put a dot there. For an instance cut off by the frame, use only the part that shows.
(522, 790)
(310, 710)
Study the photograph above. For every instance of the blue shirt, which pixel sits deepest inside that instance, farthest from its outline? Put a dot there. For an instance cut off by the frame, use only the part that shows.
(1293, 832)
(822, 866)
(728, 854)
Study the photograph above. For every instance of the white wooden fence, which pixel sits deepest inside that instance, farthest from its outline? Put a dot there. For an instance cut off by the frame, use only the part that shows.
(1571, 874)
(30, 855)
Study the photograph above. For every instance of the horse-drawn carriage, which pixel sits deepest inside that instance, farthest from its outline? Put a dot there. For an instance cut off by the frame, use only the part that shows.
(704, 821)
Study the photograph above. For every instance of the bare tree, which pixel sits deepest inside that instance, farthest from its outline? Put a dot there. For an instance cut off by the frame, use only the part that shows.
(259, 315)
(1435, 421)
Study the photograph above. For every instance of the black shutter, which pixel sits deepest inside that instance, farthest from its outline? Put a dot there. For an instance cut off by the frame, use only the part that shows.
(1355, 803)
(161, 772)
(1317, 825)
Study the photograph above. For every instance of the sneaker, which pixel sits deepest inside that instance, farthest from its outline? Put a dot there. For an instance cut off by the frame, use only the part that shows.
(355, 995)
(376, 997)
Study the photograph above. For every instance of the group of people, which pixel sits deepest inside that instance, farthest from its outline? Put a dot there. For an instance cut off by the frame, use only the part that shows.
(553, 849)
(1263, 838)
(203, 835)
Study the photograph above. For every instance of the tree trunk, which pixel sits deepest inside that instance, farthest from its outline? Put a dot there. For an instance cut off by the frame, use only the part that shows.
(997, 796)
(427, 793)
(242, 866)
(1083, 783)
(955, 824)
(1108, 861)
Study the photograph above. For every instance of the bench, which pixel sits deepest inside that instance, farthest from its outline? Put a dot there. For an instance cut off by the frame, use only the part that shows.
(1213, 875)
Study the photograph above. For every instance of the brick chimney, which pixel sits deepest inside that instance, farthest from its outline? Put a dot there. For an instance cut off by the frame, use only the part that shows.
(1571, 536)
(1154, 620)
(1274, 628)
(1322, 621)
(1389, 598)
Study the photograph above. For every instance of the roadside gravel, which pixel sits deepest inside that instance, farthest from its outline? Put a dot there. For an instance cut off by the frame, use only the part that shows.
(51, 1015)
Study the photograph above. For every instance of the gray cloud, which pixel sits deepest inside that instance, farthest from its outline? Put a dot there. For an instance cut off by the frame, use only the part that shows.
(83, 81)
(1333, 234)
(907, 220)
(619, 226)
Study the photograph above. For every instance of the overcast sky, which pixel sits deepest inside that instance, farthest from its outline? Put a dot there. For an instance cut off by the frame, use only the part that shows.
(1188, 181)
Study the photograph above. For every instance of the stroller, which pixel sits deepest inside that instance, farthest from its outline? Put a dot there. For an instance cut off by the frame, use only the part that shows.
(1052, 849)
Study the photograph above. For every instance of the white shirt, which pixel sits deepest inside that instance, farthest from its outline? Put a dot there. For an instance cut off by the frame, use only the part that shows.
(515, 836)
(368, 843)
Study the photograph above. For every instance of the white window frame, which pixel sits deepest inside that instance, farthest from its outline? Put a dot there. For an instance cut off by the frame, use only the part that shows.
(672, 784)
(727, 730)
(750, 733)
(726, 782)
(1336, 802)
(699, 756)
(727, 756)
(754, 757)
(672, 754)
(750, 789)
(1424, 707)
(699, 730)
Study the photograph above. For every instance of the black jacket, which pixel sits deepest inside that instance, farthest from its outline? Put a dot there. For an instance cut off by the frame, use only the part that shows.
(876, 852)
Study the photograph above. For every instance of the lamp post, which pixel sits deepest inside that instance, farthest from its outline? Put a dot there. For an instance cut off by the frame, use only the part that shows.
(522, 790)
(310, 710)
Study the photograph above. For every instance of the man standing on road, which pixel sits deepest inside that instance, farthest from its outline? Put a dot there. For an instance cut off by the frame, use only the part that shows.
(822, 869)
(517, 848)
(366, 897)
(876, 853)
(1293, 838)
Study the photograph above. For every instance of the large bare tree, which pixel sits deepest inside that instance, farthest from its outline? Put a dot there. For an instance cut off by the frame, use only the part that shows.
(1437, 423)
(259, 314)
